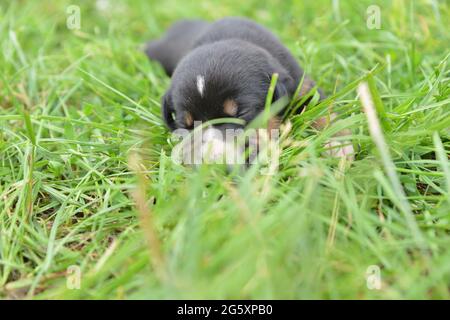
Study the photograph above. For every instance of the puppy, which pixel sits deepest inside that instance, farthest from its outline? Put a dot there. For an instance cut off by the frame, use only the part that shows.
(223, 70)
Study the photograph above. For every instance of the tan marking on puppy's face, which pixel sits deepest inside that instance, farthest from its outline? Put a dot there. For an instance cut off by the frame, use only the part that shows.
(230, 107)
(273, 124)
(188, 119)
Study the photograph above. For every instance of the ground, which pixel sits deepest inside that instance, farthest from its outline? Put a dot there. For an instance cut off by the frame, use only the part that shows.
(91, 205)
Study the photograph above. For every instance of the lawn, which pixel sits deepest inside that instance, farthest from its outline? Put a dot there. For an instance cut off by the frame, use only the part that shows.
(88, 187)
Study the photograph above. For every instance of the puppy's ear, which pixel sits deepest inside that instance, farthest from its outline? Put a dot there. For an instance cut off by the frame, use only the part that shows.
(305, 90)
(283, 87)
(167, 111)
(280, 91)
(307, 86)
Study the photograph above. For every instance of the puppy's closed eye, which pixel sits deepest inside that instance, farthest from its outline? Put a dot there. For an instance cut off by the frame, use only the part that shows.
(230, 107)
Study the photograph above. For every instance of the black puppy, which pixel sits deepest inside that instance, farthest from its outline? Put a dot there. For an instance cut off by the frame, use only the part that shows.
(222, 69)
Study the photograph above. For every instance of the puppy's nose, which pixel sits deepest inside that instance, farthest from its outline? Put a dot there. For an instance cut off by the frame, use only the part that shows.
(228, 126)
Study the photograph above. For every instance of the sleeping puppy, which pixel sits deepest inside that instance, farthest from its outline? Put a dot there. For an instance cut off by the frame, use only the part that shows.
(223, 70)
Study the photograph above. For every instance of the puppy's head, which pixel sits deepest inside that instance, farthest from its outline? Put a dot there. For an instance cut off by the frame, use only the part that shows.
(225, 79)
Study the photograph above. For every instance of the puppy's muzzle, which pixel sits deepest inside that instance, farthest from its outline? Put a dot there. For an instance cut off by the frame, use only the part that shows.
(222, 144)
(217, 144)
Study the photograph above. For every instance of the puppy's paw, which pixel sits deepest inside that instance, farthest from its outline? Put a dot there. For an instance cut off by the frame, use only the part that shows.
(340, 149)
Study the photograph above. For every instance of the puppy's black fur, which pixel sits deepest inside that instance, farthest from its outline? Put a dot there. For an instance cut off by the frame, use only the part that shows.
(211, 64)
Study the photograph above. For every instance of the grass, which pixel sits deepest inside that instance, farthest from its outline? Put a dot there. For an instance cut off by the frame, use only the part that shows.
(86, 179)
